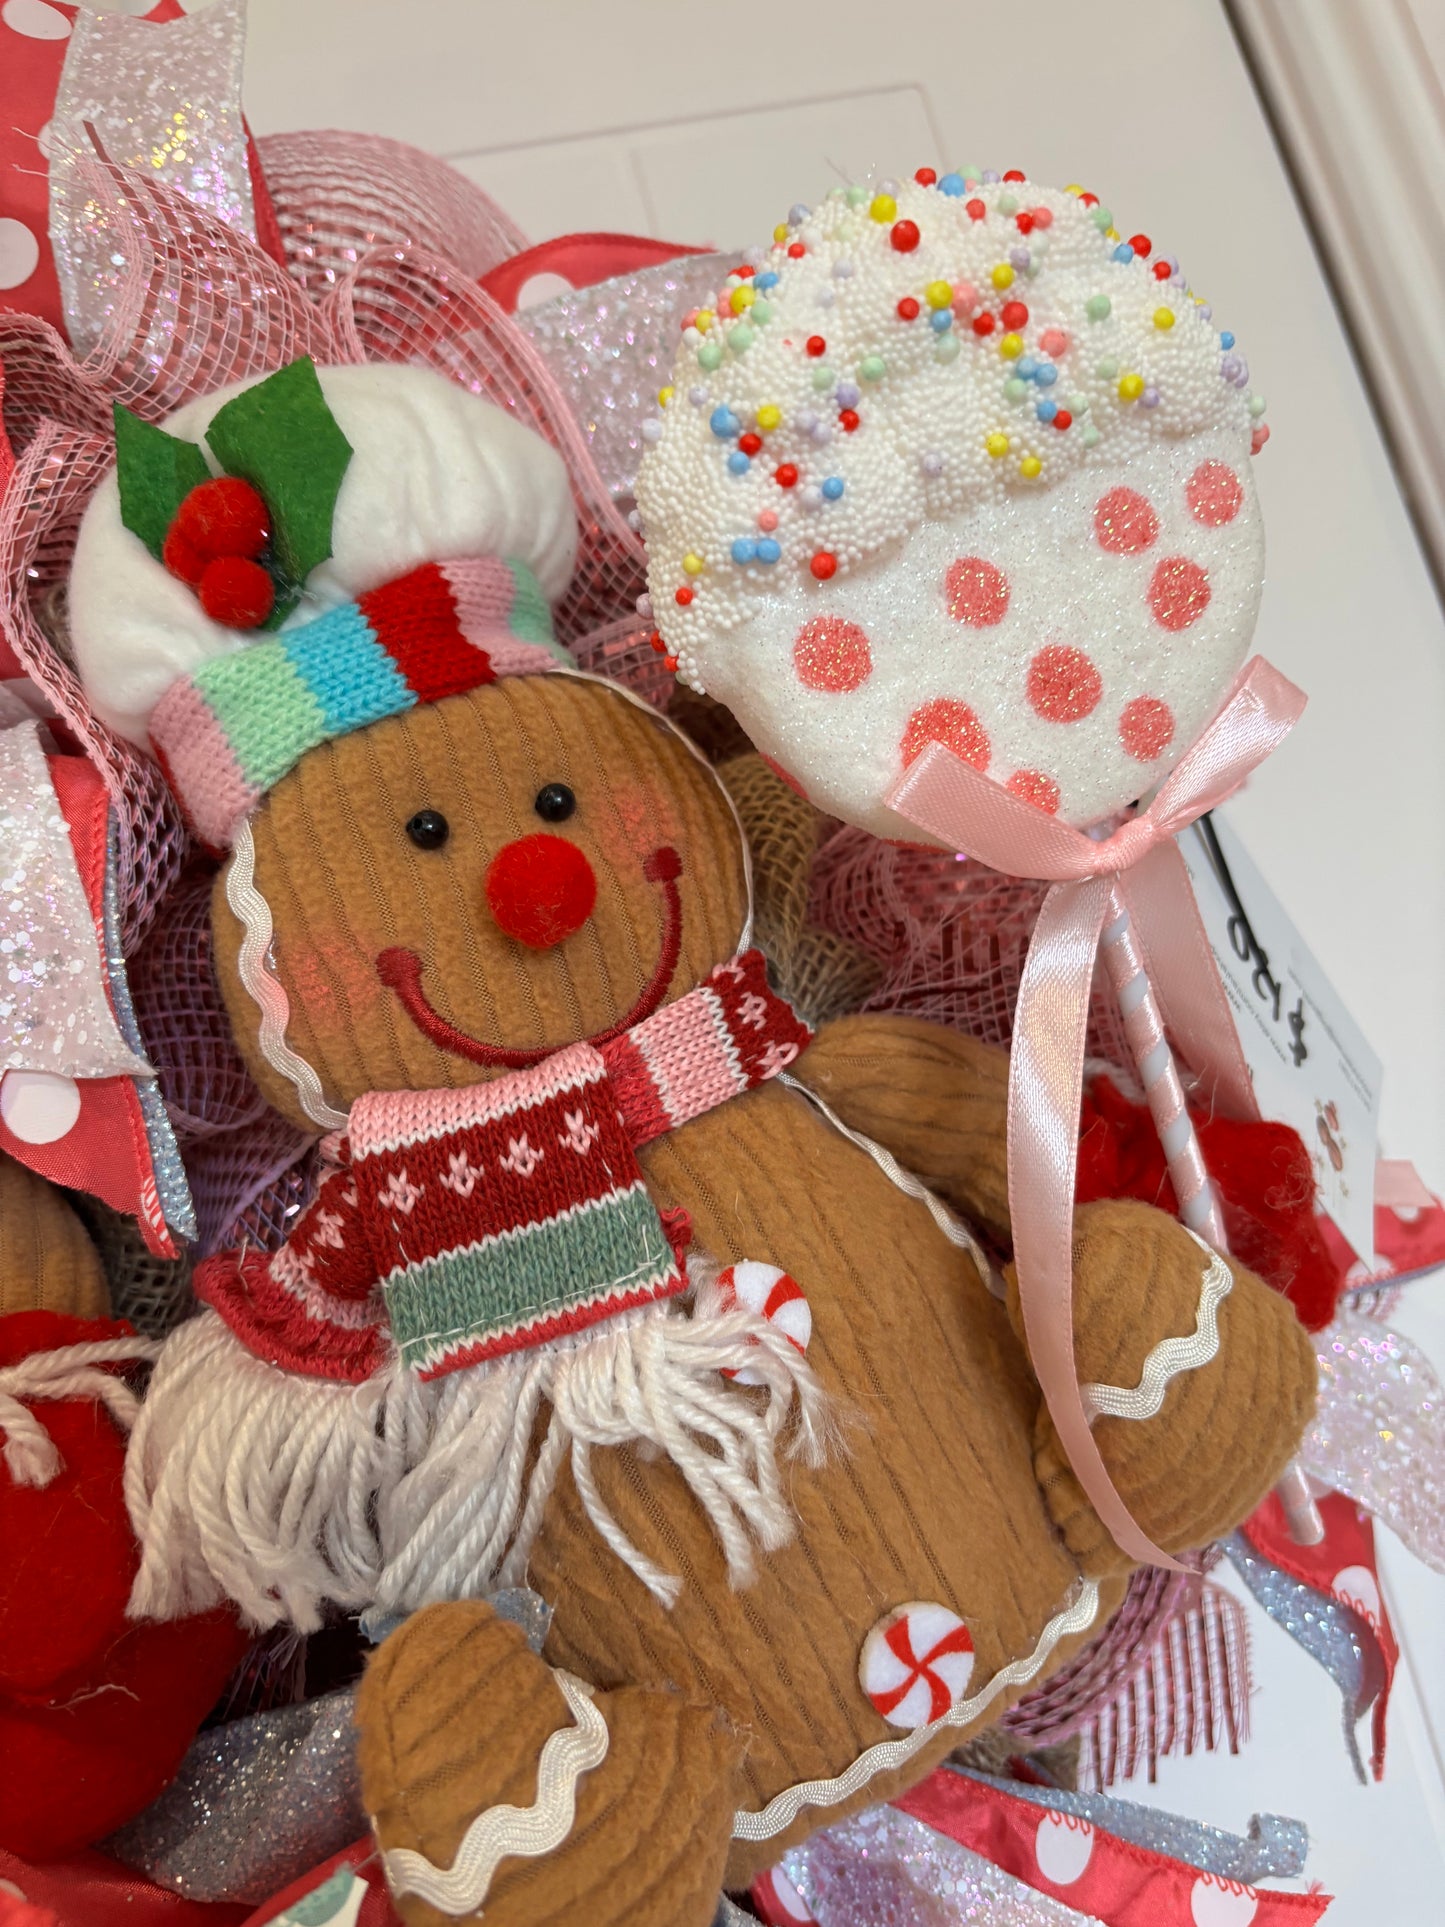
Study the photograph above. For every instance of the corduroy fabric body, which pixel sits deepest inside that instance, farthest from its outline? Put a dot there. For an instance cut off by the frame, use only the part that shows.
(1191, 1473)
(454, 1712)
(946, 1120)
(930, 1495)
(344, 882)
(931, 1492)
(47, 1262)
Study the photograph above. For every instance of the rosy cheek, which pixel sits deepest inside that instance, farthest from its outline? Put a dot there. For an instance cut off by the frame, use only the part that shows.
(632, 829)
(330, 980)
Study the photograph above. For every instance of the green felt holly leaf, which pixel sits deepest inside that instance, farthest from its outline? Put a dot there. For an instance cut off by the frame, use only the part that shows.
(156, 472)
(281, 437)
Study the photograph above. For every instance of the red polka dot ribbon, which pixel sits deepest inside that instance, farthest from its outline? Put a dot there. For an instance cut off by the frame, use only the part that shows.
(1102, 1877)
(1138, 870)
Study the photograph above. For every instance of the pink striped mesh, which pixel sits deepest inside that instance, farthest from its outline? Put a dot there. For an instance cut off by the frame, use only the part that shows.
(339, 197)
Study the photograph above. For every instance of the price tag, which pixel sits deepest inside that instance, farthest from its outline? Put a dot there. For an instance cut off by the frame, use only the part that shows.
(1312, 1069)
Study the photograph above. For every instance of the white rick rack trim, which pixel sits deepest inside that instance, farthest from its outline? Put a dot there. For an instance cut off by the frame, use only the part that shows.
(948, 1222)
(1170, 1356)
(267, 993)
(522, 1831)
(781, 1811)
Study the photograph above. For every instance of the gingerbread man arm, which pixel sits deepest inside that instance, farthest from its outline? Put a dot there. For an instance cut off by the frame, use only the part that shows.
(936, 1099)
(1228, 1422)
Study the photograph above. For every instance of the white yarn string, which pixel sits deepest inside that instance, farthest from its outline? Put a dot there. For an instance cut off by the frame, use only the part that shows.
(31, 1455)
(283, 1492)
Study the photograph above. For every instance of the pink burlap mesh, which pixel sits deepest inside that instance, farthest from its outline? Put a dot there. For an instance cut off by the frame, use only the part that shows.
(39, 515)
(339, 197)
(950, 934)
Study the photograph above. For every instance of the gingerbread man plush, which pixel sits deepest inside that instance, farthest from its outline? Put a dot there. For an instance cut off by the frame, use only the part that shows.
(622, 1282)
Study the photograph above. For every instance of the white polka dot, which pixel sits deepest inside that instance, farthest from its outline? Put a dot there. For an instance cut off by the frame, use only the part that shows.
(42, 139)
(1222, 1903)
(1063, 1847)
(9, 1887)
(19, 253)
(542, 287)
(37, 1106)
(35, 20)
(1356, 1586)
(789, 1903)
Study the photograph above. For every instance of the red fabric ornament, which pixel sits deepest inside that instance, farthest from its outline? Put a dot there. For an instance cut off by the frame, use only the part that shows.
(96, 1710)
(224, 516)
(1263, 1175)
(541, 889)
(236, 592)
(90, 1890)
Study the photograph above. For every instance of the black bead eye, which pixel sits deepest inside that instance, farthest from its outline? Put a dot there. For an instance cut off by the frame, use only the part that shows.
(554, 803)
(428, 829)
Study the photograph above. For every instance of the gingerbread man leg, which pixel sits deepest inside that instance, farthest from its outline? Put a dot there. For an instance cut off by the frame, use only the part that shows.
(502, 1789)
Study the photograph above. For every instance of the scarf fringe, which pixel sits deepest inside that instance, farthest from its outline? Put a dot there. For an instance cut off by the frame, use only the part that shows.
(284, 1493)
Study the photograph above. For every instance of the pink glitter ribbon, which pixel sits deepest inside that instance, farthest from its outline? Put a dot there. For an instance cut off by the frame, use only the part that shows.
(960, 806)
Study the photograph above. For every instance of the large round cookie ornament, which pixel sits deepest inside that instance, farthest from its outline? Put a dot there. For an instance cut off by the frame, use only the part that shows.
(957, 463)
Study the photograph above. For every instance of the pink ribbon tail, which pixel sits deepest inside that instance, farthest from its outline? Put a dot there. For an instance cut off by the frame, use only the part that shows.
(964, 809)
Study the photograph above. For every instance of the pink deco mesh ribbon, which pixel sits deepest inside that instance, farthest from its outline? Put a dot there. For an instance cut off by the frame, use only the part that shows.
(381, 244)
(961, 807)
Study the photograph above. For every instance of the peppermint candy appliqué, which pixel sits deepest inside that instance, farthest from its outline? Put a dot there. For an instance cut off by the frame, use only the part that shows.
(771, 1294)
(916, 1663)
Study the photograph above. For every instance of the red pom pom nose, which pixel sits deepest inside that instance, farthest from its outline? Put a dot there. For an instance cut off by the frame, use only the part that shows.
(541, 889)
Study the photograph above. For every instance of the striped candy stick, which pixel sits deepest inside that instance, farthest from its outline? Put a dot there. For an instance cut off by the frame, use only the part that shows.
(1198, 1201)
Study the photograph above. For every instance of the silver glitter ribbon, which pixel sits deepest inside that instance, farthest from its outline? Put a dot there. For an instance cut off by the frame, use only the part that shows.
(260, 1800)
(881, 1865)
(172, 1187)
(54, 1012)
(1275, 1848)
(1330, 1633)
(1379, 1430)
(255, 1804)
(611, 347)
(164, 100)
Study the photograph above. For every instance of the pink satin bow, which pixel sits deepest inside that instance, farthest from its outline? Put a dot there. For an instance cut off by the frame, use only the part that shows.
(1141, 865)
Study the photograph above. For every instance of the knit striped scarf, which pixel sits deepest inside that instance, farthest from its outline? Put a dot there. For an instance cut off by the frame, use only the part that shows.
(461, 1225)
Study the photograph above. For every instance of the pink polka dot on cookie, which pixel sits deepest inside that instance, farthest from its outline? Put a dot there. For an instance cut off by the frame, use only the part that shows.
(1178, 592)
(1146, 728)
(1124, 522)
(1032, 786)
(946, 720)
(832, 655)
(1063, 685)
(1214, 493)
(976, 591)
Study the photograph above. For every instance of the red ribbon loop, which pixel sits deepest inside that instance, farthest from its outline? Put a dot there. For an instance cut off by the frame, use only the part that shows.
(1137, 868)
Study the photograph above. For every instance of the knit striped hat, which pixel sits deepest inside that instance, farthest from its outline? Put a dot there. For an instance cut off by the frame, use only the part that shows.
(230, 731)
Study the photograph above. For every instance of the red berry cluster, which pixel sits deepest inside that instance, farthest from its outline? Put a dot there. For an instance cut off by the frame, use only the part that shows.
(213, 544)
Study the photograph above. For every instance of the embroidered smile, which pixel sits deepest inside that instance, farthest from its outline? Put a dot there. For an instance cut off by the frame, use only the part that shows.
(401, 970)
